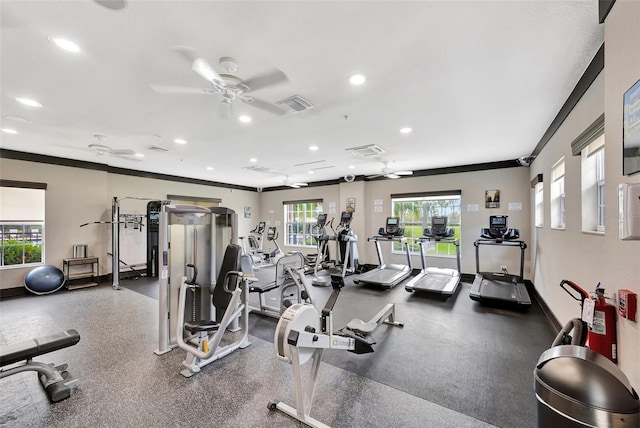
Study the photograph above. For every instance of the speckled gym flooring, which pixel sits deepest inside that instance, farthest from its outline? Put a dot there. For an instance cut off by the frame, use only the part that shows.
(437, 371)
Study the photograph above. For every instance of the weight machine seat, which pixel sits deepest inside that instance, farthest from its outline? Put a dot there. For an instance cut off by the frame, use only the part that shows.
(201, 325)
(361, 327)
(263, 288)
(29, 349)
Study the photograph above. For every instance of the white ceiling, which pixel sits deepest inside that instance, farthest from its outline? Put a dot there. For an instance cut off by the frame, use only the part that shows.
(478, 81)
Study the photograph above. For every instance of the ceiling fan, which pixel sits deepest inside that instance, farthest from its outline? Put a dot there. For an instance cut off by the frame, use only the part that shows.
(101, 149)
(226, 84)
(388, 173)
(295, 185)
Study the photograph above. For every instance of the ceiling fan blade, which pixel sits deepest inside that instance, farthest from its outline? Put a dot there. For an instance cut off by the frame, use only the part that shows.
(224, 109)
(200, 65)
(391, 175)
(263, 105)
(300, 184)
(118, 152)
(264, 80)
(371, 177)
(168, 89)
(403, 172)
(127, 158)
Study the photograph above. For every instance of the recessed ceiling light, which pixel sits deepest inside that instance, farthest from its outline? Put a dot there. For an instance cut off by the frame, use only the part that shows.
(65, 44)
(139, 155)
(313, 148)
(405, 130)
(9, 131)
(254, 160)
(180, 141)
(357, 79)
(29, 102)
(244, 119)
(311, 172)
(209, 168)
(352, 166)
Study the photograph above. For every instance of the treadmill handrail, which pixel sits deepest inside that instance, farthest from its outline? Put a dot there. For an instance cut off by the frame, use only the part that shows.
(518, 243)
(387, 238)
(423, 255)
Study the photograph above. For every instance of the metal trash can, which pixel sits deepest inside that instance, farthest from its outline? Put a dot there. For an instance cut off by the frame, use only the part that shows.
(577, 387)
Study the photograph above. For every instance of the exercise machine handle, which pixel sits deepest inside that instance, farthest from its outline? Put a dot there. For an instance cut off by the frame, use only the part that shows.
(192, 280)
(574, 288)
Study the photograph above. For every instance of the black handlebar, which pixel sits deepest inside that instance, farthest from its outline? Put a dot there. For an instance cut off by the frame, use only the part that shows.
(192, 280)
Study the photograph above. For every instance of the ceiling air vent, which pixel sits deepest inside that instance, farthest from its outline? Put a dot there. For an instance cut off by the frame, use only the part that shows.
(295, 104)
(370, 150)
(257, 168)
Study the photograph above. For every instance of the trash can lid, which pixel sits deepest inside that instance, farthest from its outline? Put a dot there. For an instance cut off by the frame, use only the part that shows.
(581, 375)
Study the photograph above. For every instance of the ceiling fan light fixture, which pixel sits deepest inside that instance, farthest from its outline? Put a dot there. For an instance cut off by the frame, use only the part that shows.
(228, 64)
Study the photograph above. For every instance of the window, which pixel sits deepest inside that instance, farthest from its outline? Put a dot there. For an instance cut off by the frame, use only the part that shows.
(415, 214)
(299, 219)
(539, 204)
(592, 170)
(558, 214)
(21, 224)
(590, 147)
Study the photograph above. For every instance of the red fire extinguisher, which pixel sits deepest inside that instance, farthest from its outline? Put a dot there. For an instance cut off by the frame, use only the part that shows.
(602, 332)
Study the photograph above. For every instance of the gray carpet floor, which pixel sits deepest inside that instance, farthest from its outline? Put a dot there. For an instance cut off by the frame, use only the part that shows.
(455, 363)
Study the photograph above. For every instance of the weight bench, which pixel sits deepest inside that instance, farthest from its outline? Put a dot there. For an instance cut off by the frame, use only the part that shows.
(55, 386)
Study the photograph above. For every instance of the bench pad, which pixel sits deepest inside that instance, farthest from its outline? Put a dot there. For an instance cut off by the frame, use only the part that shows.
(13, 353)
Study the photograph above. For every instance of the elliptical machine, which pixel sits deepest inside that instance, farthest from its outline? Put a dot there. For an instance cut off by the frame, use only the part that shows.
(320, 259)
(272, 236)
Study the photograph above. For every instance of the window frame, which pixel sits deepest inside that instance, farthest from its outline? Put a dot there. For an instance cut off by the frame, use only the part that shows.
(558, 196)
(21, 230)
(301, 231)
(439, 249)
(593, 189)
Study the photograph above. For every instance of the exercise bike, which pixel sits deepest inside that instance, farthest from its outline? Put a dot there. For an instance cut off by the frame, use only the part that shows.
(303, 334)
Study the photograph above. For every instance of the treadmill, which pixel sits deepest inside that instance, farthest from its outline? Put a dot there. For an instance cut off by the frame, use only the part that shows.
(443, 281)
(388, 275)
(500, 287)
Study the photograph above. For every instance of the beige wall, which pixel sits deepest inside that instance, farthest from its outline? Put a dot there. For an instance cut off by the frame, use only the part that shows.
(512, 182)
(571, 254)
(75, 196)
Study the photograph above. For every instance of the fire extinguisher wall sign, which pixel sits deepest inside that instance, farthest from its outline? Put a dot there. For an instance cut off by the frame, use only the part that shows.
(602, 330)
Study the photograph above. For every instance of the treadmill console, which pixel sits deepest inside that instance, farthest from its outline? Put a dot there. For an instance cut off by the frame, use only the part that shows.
(499, 229)
(438, 229)
(391, 228)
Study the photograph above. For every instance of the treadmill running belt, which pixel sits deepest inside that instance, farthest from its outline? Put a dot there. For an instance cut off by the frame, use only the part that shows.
(433, 282)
